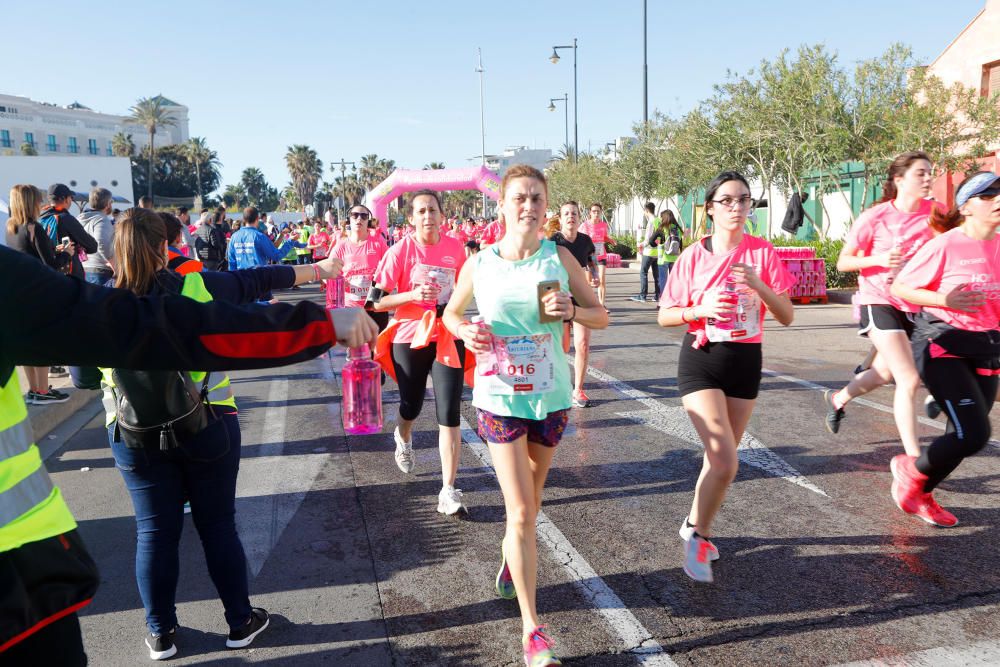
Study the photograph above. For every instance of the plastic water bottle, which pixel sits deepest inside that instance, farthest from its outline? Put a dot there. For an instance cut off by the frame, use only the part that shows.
(362, 393)
(730, 292)
(338, 292)
(433, 278)
(486, 362)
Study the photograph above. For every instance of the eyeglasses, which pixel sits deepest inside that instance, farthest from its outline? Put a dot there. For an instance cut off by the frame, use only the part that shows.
(360, 215)
(741, 202)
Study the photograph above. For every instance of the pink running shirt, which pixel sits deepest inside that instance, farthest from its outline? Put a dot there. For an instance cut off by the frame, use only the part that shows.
(493, 233)
(953, 259)
(875, 232)
(598, 233)
(697, 271)
(360, 262)
(407, 263)
(321, 244)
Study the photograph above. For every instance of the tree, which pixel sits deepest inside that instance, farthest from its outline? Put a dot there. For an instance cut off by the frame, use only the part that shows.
(198, 153)
(151, 113)
(306, 169)
(122, 145)
(290, 199)
(434, 165)
(235, 196)
(349, 187)
(28, 148)
(588, 180)
(174, 175)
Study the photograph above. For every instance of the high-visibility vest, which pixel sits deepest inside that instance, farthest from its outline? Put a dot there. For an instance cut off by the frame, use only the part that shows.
(220, 392)
(31, 508)
(181, 264)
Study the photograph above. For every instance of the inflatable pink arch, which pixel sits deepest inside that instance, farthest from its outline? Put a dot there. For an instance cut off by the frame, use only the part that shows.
(408, 180)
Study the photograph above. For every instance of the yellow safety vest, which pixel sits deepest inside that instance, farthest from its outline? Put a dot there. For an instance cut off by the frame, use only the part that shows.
(31, 508)
(219, 390)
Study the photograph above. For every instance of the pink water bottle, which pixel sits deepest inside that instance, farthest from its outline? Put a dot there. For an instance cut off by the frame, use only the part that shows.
(362, 393)
(337, 292)
(433, 278)
(729, 291)
(486, 362)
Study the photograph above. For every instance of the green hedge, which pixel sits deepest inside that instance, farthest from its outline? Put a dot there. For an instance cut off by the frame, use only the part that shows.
(623, 244)
(828, 249)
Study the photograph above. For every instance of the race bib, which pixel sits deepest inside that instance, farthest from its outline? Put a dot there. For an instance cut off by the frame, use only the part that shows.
(744, 323)
(599, 249)
(358, 285)
(446, 279)
(525, 363)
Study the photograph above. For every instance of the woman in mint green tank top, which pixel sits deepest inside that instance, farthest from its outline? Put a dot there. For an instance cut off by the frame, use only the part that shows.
(523, 389)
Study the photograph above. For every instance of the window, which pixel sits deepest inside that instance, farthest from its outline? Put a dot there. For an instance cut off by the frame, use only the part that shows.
(52, 145)
(73, 148)
(5, 139)
(92, 146)
(29, 138)
(110, 150)
(991, 79)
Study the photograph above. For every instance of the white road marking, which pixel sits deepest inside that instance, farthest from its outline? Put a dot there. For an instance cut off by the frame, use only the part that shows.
(674, 422)
(986, 654)
(634, 636)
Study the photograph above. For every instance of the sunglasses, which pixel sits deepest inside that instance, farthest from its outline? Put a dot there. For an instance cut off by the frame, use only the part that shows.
(360, 215)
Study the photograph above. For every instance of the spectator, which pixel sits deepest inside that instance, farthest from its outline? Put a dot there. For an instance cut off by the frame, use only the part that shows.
(250, 247)
(648, 253)
(176, 260)
(97, 221)
(60, 224)
(210, 243)
(304, 254)
(27, 236)
(187, 237)
(146, 202)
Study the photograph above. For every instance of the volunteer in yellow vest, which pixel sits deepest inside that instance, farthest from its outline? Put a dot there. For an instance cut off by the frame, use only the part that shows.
(202, 469)
(647, 253)
(304, 254)
(176, 260)
(46, 575)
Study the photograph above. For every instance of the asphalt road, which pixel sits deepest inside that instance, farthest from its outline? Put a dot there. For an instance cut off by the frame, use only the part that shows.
(357, 568)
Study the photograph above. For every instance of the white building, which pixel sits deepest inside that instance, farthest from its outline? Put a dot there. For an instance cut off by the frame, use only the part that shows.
(538, 158)
(80, 174)
(76, 130)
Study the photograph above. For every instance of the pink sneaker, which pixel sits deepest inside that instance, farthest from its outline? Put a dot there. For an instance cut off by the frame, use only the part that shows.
(907, 483)
(538, 649)
(929, 510)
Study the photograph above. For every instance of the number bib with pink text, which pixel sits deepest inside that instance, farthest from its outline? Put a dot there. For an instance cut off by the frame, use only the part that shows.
(745, 322)
(526, 365)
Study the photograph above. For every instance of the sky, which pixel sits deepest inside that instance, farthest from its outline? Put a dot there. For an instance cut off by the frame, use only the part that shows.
(397, 78)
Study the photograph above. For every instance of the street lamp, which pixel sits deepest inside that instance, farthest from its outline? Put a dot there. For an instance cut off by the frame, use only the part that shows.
(552, 107)
(482, 117)
(343, 171)
(576, 97)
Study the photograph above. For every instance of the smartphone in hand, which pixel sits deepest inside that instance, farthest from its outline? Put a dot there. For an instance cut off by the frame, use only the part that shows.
(544, 288)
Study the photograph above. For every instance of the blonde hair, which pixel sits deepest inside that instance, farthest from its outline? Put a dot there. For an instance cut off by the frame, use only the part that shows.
(139, 237)
(25, 202)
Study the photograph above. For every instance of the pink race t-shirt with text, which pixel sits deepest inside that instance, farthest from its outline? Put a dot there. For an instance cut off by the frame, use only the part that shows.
(360, 262)
(408, 264)
(954, 259)
(698, 271)
(320, 242)
(493, 233)
(598, 233)
(877, 231)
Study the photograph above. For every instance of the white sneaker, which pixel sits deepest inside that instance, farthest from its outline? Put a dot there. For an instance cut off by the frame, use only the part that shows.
(697, 564)
(687, 532)
(450, 501)
(404, 452)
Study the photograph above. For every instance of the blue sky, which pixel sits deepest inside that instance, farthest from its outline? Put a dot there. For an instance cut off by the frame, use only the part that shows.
(397, 78)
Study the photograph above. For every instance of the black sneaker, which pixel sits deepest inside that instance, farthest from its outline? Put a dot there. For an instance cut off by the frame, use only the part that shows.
(58, 371)
(932, 407)
(38, 398)
(833, 415)
(161, 647)
(259, 620)
(60, 394)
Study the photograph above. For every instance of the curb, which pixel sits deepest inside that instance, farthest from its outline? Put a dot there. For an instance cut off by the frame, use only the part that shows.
(46, 418)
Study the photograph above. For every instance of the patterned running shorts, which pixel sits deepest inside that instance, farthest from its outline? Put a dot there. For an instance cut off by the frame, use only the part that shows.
(497, 428)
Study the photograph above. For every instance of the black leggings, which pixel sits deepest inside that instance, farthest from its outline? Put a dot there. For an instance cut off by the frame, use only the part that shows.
(966, 397)
(413, 367)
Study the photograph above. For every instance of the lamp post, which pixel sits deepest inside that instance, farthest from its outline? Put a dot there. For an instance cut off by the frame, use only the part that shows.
(343, 171)
(552, 107)
(482, 117)
(645, 74)
(576, 97)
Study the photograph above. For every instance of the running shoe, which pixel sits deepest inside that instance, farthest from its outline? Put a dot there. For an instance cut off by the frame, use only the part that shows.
(60, 394)
(505, 584)
(687, 532)
(932, 407)
(928, 510)
(907, 488)
(538, 649)
(259, 620)
(833, 415)
(637, 299)
(38, 398)
(57, 371)
(161, 647)
(450, 501)
(697, 561)
(404, 452)
(580, 400)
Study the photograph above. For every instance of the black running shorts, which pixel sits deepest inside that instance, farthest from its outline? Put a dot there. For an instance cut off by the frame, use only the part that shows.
(732, 367)
(882, 317)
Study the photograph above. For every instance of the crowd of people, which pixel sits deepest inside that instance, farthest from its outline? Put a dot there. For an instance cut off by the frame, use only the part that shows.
(928, 282)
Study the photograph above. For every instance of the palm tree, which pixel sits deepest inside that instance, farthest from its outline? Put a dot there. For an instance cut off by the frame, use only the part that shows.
(122, 145)
(369, 172)
(151, 113)
(235, 195)
(434, 165)
(305, 168)
(255, 184)
(198, 153)
(349, 187)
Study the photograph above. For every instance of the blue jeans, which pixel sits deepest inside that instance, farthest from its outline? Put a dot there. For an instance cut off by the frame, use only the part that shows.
(203, 471)
(648, 266)
(663, 270)
(98, 276)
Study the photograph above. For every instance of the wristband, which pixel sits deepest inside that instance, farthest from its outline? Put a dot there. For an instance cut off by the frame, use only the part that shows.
(573, 317)
(315, 268)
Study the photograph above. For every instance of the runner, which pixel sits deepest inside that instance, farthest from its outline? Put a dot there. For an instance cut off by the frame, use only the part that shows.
(421, 269)
(493, 233)
(319, 242)
(597, 229)
(522, 416)
(956, 278)
(582, 249)
(361, 253)
(880, 242)
(720, 288)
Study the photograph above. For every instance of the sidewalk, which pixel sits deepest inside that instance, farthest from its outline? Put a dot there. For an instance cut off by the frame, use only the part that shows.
(46, 418)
